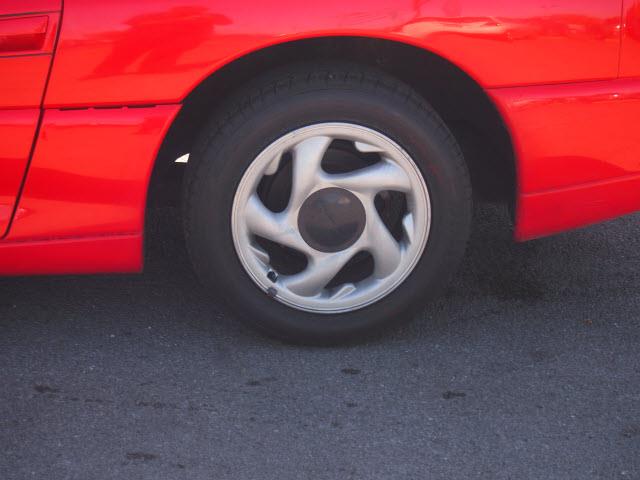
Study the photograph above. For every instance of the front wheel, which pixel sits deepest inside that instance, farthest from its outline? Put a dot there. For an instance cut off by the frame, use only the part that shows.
(325, 202)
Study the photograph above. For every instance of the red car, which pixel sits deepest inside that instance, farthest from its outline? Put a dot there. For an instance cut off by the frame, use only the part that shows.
(325, 156)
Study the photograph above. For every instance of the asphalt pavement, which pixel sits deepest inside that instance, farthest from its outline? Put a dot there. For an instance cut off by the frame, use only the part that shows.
(528, 368)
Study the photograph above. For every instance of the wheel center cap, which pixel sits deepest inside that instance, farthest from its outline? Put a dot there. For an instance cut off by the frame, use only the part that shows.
(331, 219)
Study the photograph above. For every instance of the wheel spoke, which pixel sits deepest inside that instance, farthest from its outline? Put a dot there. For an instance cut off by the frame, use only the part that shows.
(367, 147)
(408, 227)
(307, 157)
(319, 272)
(383, 247)
(273, 226)
(343, 291)
(260, 254)
(384, 175)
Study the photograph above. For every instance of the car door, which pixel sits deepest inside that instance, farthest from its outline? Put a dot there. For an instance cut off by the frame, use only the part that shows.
(28, 31)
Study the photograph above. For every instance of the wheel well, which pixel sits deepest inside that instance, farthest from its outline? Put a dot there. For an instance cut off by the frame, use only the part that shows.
(460, 101)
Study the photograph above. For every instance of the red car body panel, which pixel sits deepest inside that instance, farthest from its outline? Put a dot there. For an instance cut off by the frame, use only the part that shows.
(564, 75)
(105, 254)
(17, 129)
(103, 196)
(108, 51)
(21, 7)
(26, 50)
(630, 51)
(573, 169)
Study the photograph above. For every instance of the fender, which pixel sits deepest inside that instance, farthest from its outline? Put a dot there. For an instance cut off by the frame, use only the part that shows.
(120, 52)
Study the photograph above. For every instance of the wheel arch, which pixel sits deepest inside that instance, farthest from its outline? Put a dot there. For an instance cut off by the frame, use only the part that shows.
(479, 127)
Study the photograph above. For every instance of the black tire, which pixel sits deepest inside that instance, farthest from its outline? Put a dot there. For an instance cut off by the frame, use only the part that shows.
(280, 102)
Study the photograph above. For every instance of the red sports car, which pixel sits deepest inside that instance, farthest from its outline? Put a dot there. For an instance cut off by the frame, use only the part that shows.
(325, 156)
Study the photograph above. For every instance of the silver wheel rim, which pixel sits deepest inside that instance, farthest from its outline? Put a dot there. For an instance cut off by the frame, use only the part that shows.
(314, 288)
